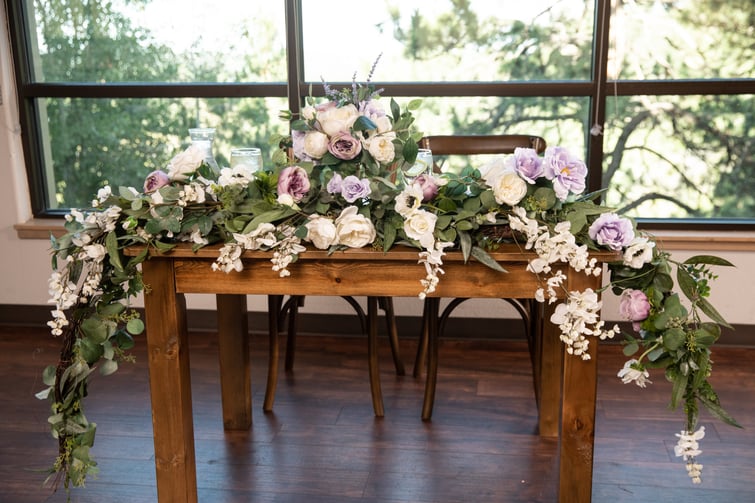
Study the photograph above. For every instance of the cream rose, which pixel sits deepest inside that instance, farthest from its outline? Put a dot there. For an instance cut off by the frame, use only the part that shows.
(321, 231)
(308, 112)
(337, 119)
(382, 149)
(509, 188)
(420, 225)
(383, 124)
(185, 163)
(315, 144)
(354, 230)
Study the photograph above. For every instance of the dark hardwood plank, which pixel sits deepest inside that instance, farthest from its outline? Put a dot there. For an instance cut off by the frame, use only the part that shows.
(322, 442)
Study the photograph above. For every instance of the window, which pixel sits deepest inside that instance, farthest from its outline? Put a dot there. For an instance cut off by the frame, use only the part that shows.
(108, 89)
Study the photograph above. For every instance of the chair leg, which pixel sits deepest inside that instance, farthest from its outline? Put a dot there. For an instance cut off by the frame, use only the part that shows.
(372, 356)
(274, 303)
(386, 304)
(432, 306)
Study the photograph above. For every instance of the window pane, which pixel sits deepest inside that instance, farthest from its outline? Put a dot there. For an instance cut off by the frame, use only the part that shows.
(94, 142)
(688, 39)
(158, 40)
(681, 156)
(559, 121)
(440, 40)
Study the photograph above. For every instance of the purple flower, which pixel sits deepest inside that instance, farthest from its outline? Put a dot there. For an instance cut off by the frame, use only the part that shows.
(293, 181)
(612, 231)
(352, 188)
(634, 306)
(155, 180)
(334, 185)
(528, 164)
(565, 170)
(428, 185)
(344, 146)
(297, 139)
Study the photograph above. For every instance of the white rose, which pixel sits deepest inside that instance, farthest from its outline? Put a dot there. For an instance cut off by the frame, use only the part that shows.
(383, 124)
(308, 112)
(185, 163)
(354, 230)
(286, 200)
(315, 144)
(382, 149)
(420, 225)
(337, 119)
(321, 232)
(509, 189)
(494, 169)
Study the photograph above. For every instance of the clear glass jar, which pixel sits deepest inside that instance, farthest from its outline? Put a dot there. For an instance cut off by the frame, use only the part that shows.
(203, 138)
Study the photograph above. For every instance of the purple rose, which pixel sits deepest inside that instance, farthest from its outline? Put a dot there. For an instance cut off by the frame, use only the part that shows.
(352, 188)
(634, 306)
(612, 231)
(334, 185)
(293, 181)
(155, 180)
(344, 146)
(528, 164)
(567, 172)
(429, 186)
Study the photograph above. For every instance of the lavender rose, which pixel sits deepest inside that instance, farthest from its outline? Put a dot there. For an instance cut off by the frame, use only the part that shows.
(155, 181)
(527, 163)
(293, 181)
(634, 306)
(567, 172)
(334, 184)
(428, 185)
(352, 188)
(611, 230)
(344, 146)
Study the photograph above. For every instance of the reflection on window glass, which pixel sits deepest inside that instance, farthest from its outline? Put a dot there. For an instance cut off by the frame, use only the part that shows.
(681, 156)
(158, 40)
(687, 39)
(441, 40)
(125, 139)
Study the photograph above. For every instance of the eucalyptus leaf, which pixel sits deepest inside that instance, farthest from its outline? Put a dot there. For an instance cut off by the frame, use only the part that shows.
(108, 367)
(48, 375)
(483, 257)
(135, 326)
(631, 348)
(709, 259)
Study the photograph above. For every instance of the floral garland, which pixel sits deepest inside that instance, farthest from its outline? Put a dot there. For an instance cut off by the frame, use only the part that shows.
(337, 183)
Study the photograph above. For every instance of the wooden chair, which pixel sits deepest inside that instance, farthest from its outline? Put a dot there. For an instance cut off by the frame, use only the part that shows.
(528, 309)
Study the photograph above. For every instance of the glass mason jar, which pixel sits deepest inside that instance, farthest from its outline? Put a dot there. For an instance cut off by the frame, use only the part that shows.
(203, 138)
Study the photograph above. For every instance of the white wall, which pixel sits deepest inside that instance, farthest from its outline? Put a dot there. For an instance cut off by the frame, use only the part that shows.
(25, 264)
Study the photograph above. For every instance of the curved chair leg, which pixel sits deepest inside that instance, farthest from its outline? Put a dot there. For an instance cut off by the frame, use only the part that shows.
(291, 307)
(273, 309)
(386, 304)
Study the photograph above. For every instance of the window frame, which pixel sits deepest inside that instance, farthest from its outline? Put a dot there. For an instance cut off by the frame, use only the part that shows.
(598, 89)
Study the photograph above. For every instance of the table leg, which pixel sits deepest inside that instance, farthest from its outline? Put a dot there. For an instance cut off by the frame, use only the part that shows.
(577, 437)
(550, 356)
(235, 368)
(170, 384)
(372, 356)
(274, 305)
(431, 308)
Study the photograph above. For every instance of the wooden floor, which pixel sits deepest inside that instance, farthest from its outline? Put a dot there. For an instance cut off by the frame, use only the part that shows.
(322, 443)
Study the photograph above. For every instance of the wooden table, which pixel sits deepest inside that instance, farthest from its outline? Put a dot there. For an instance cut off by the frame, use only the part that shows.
(566, 385)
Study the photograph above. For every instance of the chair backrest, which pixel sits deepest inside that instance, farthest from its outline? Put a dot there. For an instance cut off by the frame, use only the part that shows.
(481, 144)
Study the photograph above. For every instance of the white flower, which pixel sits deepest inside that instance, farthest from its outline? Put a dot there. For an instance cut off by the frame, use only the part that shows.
(408, 200)
(688, 448)
(308, 112)
(639, 252)
(634, 371)
(382, 149)
(315, 144)
(335, 120)
(95, 252)
(383, 124)
(493, 169)
(321, 231)
(420, 225)
(229, 258)
(286, 200)
(509, 188)
(239, 174)
(433, 259)
(261, 237)
(354, 230)
(185, 163)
